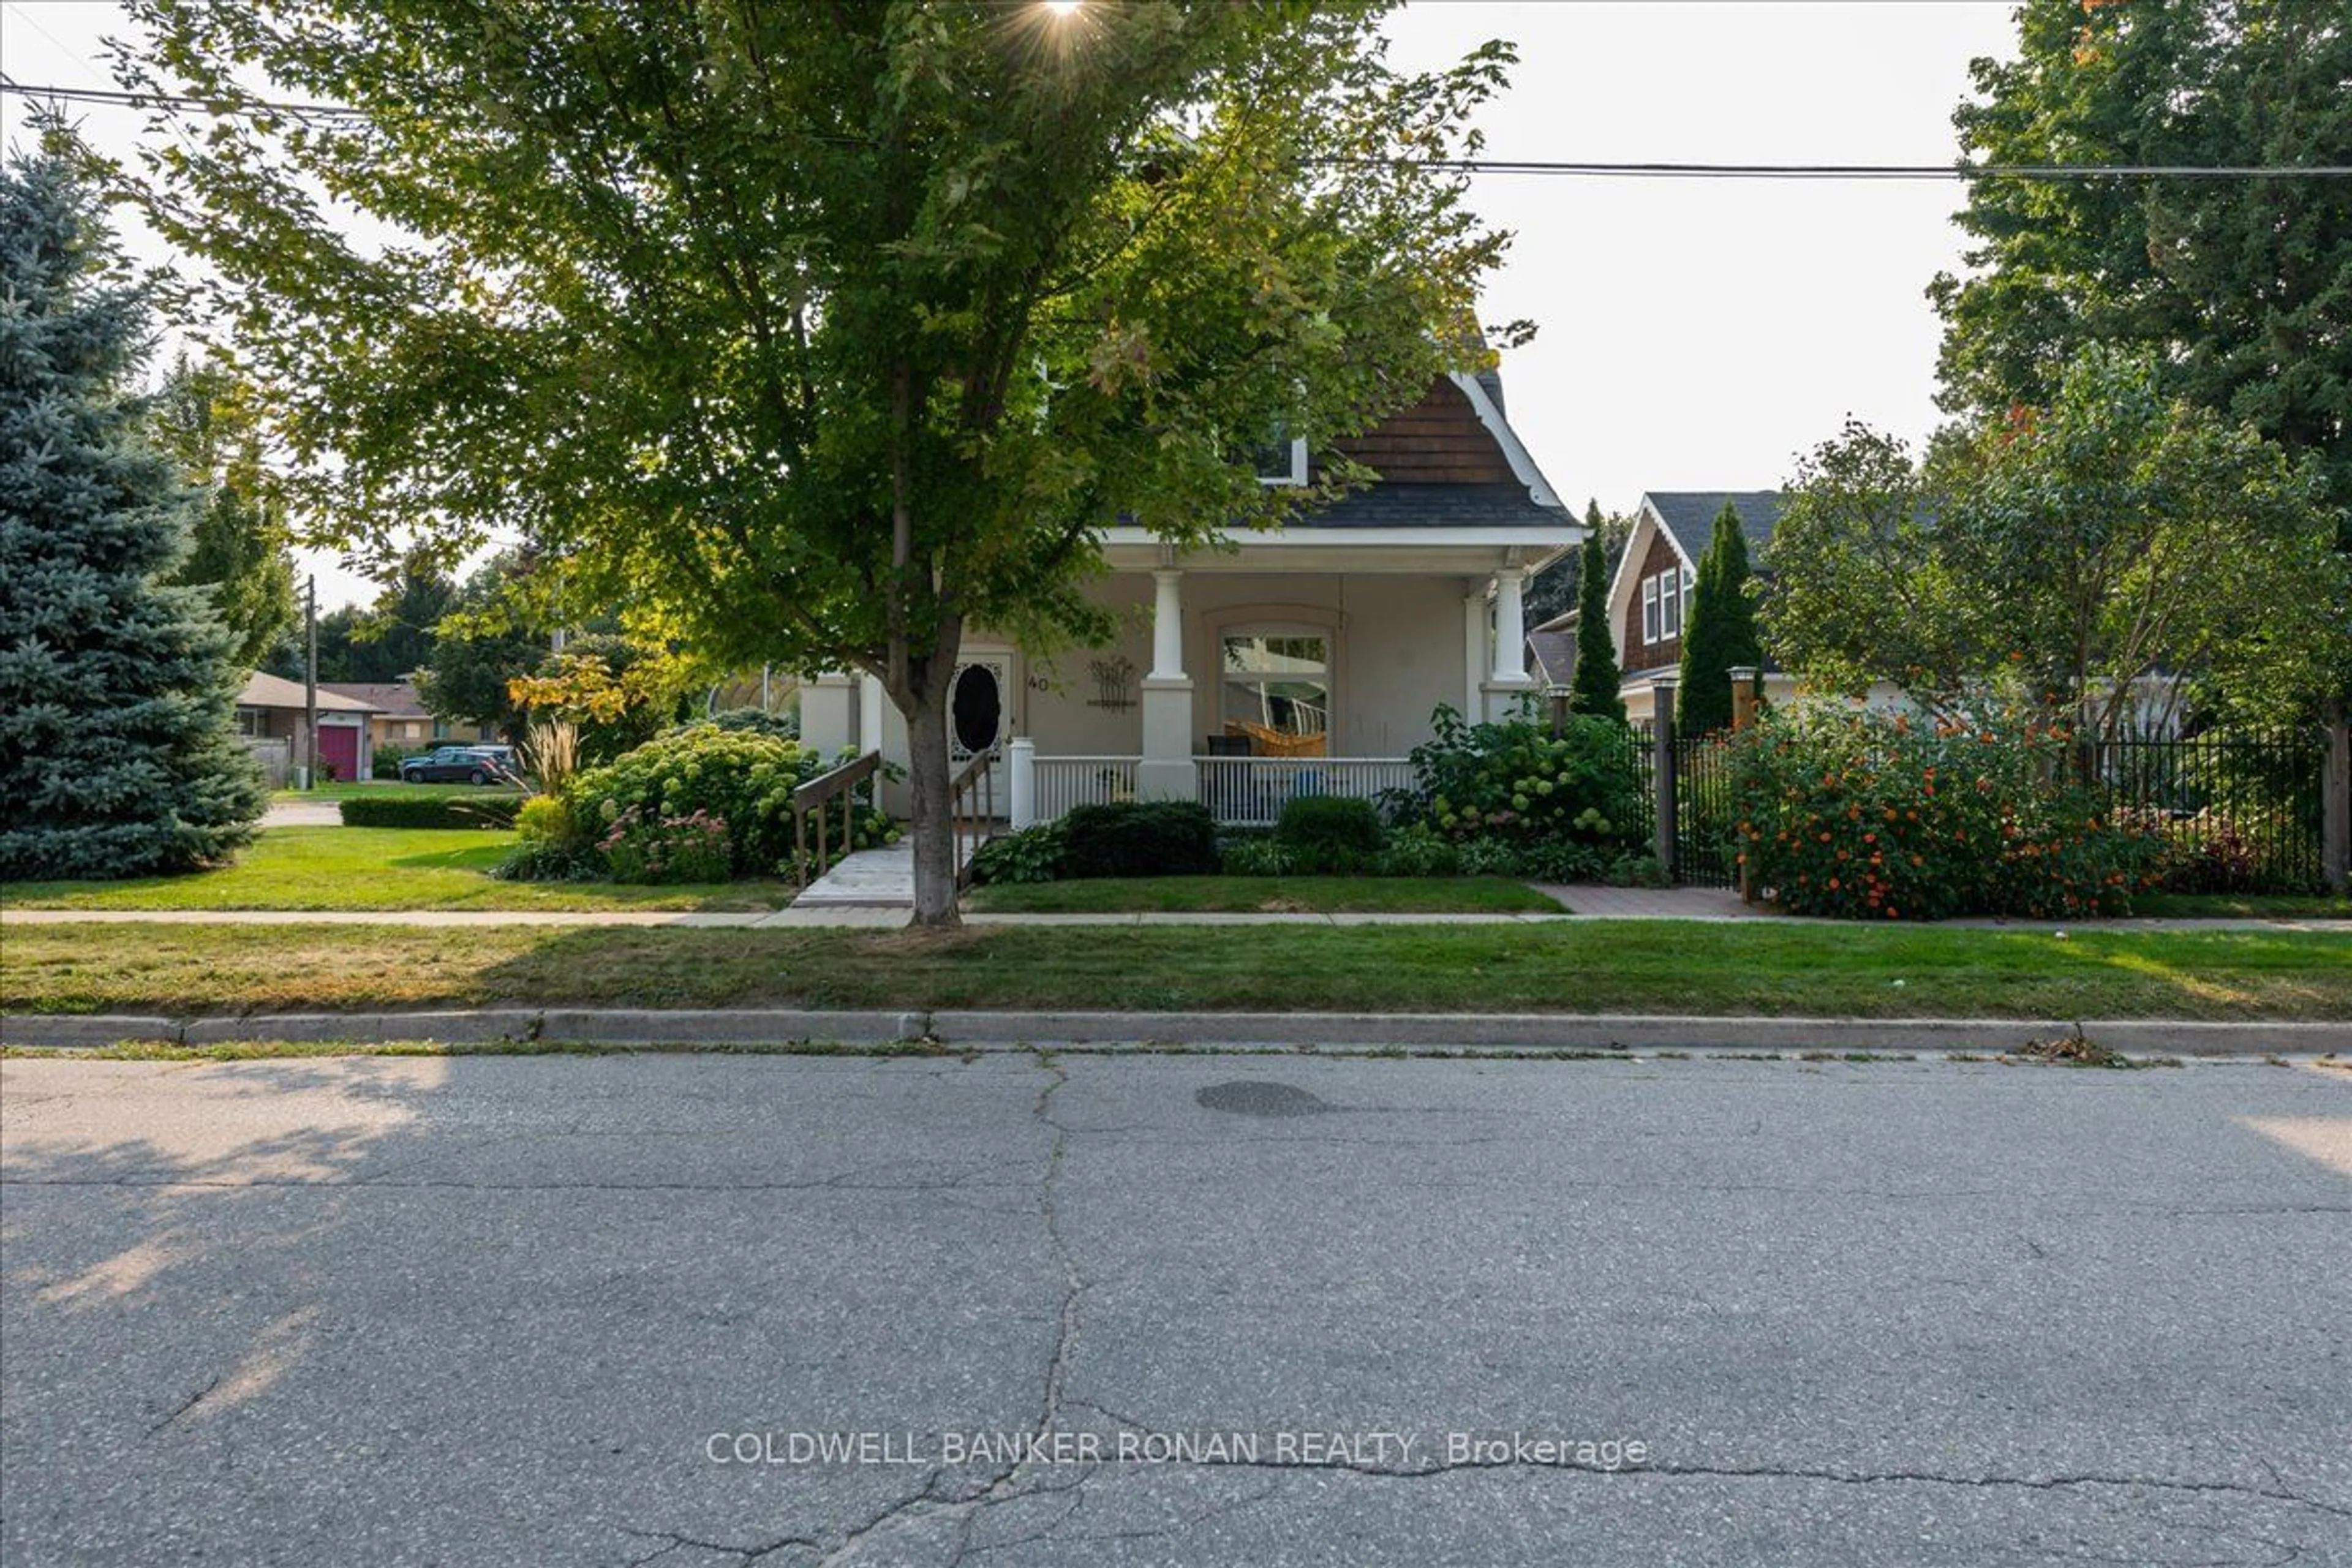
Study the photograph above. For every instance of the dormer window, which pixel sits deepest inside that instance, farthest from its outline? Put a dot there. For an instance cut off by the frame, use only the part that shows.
(1279, 460)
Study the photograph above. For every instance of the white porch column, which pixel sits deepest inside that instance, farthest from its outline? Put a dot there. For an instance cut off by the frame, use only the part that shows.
(869, 714)
(1168, 625)
(1167, 771)
(1510, 628)
(1510, 679)
(828, 713)
(1021, 755)
(1474, 653)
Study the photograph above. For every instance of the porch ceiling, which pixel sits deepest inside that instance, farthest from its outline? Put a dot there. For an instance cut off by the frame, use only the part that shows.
(1423, 551)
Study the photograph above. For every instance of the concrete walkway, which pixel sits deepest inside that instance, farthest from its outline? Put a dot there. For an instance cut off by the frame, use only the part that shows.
(866, 878)
(1657, 903)
(303, 814)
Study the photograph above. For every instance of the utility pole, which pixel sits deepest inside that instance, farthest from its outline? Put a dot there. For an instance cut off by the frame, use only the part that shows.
(310, 683)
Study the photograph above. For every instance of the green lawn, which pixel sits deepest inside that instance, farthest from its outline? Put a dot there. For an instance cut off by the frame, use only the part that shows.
(379, 868)
(1599, 966)
(1295, 895)
(2242, 906)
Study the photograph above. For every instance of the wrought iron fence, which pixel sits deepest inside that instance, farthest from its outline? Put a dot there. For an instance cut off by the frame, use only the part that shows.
(2240, 812)
(1706, 848)
(2233, 812)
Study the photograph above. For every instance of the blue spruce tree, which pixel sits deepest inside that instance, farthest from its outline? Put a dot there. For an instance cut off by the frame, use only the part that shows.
(119, 753)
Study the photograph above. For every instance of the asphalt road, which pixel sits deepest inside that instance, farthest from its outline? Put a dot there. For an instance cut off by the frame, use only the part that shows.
(1222, 1309)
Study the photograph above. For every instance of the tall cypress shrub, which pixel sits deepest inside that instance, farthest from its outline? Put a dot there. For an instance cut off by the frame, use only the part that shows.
(119, 753)
(1594, 687)
(1719, 630)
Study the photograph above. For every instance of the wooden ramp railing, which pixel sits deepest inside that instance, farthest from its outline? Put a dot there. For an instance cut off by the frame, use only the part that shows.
(815, 799)
(972, 805)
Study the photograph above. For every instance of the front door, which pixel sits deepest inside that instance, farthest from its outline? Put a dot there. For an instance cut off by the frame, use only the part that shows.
(980, 706)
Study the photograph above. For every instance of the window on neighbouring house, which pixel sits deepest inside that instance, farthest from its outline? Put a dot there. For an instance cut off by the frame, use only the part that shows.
(1649, 609)
(1276, 688)
(1670, 605)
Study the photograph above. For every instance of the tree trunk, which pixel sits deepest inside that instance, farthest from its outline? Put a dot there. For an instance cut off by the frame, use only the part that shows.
(934, 820)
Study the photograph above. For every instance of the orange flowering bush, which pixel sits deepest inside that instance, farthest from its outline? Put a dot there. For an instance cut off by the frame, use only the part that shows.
(1866, 816)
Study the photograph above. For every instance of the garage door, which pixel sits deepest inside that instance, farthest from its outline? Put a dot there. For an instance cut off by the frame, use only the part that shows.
(339, 752)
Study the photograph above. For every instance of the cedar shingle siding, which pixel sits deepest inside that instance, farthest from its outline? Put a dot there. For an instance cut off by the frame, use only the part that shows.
(1657, 655)
(1437, 441)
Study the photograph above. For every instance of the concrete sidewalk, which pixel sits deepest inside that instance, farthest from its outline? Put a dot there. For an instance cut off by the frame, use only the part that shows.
(1664, 905)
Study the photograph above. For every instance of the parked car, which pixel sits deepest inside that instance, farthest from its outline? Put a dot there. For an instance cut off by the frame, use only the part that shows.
(460, 764)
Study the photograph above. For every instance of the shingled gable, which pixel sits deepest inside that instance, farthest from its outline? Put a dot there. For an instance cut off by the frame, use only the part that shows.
(1450, 461)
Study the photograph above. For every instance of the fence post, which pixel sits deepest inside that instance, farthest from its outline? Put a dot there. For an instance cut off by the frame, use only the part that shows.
(1023, 754)
(2335, 803)
(1662, 737)
(1743, 696)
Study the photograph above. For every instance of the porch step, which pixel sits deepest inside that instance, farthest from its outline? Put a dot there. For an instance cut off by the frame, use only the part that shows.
(873, 879)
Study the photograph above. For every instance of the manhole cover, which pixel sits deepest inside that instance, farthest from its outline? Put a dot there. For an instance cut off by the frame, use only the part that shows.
(1255, 1097)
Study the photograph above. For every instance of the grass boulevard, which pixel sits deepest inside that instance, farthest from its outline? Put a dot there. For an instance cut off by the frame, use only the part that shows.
(1598, 966)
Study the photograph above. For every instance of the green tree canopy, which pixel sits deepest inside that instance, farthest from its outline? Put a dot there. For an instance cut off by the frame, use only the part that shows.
(826, 333)
(388, 640)
(492, 637)
(617, 691)
(119, 753)
(1718, 630)
(203, 419)
(2236, 288)
(1596, 686)
(2112, 536)
(2239, 288)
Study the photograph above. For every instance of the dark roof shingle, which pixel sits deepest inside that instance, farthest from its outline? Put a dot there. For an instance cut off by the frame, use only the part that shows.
(1689, 516)
(1436, 506)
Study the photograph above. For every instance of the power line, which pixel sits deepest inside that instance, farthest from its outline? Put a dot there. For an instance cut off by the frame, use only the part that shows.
(1541, 168)
(1653, 171)
(110, 98)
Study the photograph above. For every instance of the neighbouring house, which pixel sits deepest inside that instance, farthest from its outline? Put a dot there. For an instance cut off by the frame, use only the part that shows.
(270, 714)
(401, 718)
(1650, 596)
(1301, 659)
(1551, 653)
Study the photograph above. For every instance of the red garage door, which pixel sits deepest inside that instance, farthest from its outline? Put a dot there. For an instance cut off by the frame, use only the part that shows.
(339, 752)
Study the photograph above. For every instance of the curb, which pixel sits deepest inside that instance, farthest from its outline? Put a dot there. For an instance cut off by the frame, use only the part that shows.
(1004, 1030)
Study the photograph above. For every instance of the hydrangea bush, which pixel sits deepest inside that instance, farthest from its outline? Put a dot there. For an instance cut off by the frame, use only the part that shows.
(1521, 783)
(733, 786)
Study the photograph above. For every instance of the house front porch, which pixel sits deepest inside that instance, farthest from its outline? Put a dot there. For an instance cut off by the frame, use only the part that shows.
(1306, 664)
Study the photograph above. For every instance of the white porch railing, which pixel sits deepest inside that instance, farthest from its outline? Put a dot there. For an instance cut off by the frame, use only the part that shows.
(1250, 791)
(1240, 791)
(1063, 783)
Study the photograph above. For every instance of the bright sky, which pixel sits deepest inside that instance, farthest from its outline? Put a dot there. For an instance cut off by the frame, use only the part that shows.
(1694, 335)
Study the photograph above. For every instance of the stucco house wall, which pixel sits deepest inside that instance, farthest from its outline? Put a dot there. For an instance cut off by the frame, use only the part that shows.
(1396, 652)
